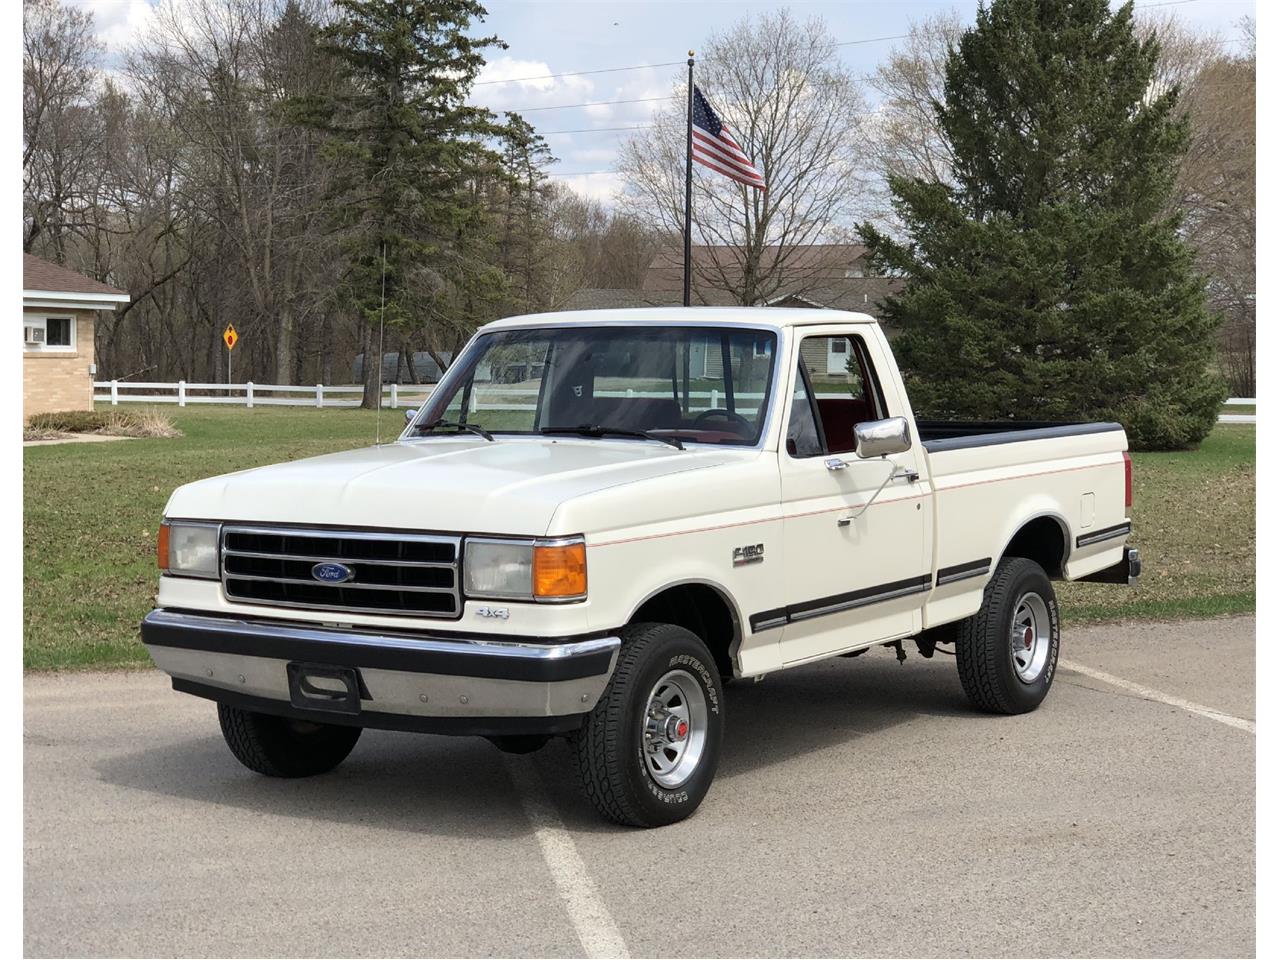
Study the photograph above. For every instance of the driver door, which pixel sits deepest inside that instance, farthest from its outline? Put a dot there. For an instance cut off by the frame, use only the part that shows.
(857, 562)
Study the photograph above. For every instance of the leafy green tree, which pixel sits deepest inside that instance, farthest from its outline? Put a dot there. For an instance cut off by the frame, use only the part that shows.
(413, 158)
(1046, 281)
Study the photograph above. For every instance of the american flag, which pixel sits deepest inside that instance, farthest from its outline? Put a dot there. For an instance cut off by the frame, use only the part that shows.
(714, 147)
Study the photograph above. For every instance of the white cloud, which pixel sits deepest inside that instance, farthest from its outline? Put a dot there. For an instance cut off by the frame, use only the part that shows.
(604, 187)
(520, 92)
(118, 23)
(597, 147)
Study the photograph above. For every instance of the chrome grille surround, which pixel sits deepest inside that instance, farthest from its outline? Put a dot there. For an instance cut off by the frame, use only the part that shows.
(394, 572)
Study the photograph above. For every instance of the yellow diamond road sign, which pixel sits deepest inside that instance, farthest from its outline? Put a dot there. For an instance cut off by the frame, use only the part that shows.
(230, 337)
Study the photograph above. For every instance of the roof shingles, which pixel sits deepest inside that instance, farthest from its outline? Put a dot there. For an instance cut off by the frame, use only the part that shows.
(40, 274)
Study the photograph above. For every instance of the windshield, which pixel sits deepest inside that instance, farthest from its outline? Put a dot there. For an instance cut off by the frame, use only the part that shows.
(690, 384)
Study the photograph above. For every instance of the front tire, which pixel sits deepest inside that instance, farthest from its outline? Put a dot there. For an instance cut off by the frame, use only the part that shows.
(648, 752)
(1007, 653)
(284, 747)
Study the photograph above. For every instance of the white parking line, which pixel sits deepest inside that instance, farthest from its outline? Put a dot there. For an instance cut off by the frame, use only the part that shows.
(592, 922)
(1147, 693)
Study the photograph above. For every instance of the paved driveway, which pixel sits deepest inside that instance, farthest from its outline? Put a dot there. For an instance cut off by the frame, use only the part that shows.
(861, 809)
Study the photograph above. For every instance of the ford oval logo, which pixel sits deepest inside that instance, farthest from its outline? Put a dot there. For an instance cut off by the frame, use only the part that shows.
(332, 572)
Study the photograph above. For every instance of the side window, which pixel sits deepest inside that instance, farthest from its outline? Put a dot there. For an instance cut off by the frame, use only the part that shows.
(802, 426)
(846, 391)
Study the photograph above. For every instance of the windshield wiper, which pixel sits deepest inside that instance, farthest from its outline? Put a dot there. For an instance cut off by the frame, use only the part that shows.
(598, 430)
(470, 427)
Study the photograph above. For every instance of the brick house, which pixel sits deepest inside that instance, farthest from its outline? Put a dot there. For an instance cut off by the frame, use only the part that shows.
(59, 307)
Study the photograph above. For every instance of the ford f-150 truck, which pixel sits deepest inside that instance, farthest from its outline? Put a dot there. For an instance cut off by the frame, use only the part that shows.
(599, 518)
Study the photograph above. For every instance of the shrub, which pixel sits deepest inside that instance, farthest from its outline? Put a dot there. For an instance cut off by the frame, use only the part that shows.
(68, 421)
(112, 423)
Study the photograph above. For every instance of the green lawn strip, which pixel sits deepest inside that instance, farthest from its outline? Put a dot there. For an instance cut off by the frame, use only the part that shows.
(90, 513)
(1193, 518)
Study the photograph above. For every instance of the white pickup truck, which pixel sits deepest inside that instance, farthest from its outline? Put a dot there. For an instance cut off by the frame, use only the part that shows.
(600, 517)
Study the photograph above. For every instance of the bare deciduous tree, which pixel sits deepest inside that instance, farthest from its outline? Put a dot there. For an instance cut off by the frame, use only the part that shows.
(795, 110)
(59, 129)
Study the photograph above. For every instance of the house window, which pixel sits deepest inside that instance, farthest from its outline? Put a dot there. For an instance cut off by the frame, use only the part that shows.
(839, 345)
(48, 333)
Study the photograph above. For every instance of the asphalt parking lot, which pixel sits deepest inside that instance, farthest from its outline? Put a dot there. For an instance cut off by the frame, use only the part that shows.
(861, 809)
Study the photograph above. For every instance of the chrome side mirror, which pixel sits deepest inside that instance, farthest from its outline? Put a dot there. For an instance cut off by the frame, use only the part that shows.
(879, 438)
(409, 415)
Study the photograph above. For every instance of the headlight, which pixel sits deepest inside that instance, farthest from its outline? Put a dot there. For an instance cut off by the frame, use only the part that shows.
(552, 571)
(188, 549)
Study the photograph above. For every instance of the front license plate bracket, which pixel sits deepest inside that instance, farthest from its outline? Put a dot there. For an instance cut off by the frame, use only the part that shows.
(316, 686)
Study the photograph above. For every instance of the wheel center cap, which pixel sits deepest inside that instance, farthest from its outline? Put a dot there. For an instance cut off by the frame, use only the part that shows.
(1028, 637)
(677, 729)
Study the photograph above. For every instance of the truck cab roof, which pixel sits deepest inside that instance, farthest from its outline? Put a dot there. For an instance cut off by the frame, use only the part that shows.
(773, 317)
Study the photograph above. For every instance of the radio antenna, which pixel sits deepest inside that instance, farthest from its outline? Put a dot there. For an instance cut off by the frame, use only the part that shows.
(382, 323)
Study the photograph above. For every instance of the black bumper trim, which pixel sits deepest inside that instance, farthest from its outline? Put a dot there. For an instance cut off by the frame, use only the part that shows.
(450, 726)
(489, 657)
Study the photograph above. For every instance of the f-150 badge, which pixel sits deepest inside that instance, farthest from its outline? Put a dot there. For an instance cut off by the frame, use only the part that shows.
(754, 553)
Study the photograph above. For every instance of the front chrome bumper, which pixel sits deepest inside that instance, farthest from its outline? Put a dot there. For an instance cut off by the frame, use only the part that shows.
(482, 685)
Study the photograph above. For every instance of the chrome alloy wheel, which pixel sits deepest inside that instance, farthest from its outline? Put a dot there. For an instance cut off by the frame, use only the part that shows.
(674, 728)
(1031, 637)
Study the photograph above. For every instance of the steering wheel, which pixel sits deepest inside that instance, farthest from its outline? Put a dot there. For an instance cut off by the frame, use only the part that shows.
(720, 412)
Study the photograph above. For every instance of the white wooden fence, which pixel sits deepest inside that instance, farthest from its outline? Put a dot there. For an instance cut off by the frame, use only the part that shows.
(483, 397)
(1239, 417)
(394, 395)
(255, 394)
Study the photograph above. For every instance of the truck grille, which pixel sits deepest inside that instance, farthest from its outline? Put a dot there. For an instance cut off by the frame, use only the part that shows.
(390, 572)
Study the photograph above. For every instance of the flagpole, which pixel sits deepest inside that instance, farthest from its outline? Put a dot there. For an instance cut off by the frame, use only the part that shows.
(688, 183)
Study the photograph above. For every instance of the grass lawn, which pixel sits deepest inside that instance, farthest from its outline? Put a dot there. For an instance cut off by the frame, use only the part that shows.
(90, 512)
(1193, 518)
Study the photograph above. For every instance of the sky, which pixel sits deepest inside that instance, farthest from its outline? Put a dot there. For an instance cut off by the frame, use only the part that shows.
(568, 36)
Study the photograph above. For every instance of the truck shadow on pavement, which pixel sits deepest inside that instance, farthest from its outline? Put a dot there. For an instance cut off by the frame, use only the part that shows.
(461, 786)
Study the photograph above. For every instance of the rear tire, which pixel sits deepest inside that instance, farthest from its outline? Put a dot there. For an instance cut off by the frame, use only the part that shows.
(1007, 653)
(648, 752)
(283, 747)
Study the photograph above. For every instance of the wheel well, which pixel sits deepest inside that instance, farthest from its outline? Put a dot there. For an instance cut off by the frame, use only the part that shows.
(701, 610)
(1043, 541)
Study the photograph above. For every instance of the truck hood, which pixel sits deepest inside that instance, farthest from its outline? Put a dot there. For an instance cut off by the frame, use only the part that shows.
(465, 485)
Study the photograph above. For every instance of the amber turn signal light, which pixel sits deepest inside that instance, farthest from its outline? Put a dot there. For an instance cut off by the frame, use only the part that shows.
(162, 547)
(560, 571)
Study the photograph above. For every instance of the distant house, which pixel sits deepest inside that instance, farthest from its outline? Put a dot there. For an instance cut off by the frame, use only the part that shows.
(59, 307)
(833, 276)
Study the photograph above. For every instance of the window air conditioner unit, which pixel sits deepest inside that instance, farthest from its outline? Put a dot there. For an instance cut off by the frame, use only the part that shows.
(33, 335)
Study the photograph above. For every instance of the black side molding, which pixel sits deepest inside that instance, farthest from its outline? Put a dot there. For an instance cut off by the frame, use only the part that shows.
(839, 602)
(963, 571)
(1106, 533)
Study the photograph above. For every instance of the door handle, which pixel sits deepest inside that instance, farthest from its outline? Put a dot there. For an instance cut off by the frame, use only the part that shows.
(835, 463)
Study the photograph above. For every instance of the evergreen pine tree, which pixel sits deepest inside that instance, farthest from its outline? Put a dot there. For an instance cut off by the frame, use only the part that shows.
(1047, 282)
(413, 159)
